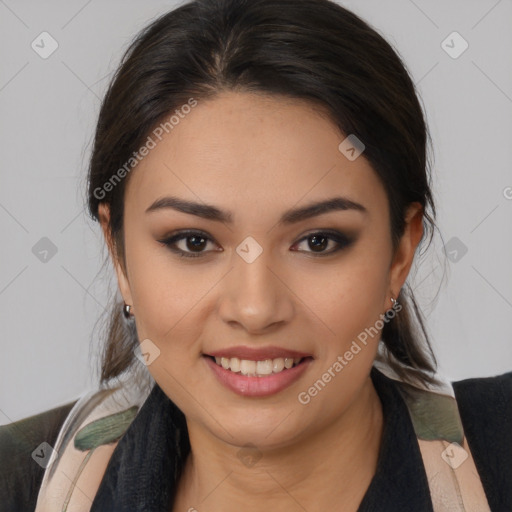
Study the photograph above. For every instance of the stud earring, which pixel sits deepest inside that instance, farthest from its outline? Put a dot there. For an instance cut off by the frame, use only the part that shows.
(127, 311)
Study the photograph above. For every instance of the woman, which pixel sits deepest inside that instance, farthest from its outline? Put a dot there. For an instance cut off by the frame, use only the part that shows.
(260, 175)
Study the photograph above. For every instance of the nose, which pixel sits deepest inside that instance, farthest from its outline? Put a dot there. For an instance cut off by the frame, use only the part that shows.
(255, 296)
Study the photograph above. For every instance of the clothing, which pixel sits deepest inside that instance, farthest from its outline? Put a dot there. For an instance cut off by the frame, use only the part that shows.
(20, 476)
(144, 468)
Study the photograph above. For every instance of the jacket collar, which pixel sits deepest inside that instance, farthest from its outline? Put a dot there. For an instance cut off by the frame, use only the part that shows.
(144, 469)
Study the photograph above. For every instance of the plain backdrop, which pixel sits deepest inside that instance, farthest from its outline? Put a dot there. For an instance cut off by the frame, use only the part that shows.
(50, 301)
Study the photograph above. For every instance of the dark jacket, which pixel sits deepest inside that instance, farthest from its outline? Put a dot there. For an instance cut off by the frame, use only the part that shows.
(143, 471)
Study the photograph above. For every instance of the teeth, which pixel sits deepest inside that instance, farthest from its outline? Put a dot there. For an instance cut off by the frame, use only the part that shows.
(257, 368)
(264, 367)
(278, 365)
(247, 367)
(234, 364)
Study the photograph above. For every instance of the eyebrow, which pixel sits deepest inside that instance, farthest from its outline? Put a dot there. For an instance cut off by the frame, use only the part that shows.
(291, 216)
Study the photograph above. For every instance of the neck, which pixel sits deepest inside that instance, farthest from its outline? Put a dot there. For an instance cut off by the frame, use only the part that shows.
(339, 461)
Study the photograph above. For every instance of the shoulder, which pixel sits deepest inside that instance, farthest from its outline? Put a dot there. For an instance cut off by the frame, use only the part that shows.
(485, 400)
(485, 407)
(20, 474)
(498, 381)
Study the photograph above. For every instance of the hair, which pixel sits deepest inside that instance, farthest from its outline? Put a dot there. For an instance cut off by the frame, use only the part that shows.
(313, 50)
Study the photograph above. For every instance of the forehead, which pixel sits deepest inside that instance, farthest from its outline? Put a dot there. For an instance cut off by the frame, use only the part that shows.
(245, 151)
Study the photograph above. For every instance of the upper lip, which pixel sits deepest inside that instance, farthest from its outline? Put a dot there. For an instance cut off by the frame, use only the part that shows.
(257, 354)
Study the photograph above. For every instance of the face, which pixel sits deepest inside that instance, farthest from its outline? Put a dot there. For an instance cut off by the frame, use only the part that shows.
(252, 274)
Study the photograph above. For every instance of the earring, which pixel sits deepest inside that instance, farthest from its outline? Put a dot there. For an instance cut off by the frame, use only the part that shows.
(126, 311)
(394, 303)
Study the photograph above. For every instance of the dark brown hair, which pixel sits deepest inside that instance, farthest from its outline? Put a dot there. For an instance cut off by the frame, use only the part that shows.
(313, 50)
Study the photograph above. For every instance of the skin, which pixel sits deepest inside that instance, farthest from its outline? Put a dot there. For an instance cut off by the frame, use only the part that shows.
(257, 156)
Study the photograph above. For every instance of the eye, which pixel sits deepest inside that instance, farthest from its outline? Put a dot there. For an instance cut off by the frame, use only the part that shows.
(195, 242)
(320, 240)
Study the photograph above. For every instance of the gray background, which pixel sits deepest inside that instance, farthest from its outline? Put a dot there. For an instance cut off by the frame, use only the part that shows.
(48, 108)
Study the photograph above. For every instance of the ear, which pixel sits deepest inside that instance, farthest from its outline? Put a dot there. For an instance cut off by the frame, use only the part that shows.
(404, 254)
(122, 280)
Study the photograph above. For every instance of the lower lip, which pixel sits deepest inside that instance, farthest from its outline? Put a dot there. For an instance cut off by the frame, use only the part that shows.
(258, 386)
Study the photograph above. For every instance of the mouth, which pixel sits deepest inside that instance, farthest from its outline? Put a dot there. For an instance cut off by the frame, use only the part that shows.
(257, 371)
(258, 377)
(258, 368)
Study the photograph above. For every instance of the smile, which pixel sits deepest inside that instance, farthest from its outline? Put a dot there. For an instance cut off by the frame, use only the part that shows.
(257, 368)
(257, 378)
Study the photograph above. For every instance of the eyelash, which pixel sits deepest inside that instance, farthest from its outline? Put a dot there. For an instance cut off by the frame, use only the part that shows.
(343, 242)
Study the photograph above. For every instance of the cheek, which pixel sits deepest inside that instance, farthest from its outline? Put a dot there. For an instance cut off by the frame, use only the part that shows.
(346, 298)
(169, 311)
(166, 296)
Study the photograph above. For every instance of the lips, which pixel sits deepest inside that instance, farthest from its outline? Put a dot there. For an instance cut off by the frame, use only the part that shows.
(259, 385)
(257, 371)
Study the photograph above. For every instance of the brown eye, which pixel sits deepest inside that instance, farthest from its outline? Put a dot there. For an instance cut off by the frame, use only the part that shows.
(195, 242)
(319, 241)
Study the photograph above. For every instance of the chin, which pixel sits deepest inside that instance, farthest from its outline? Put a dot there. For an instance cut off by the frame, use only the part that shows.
(275, 429)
